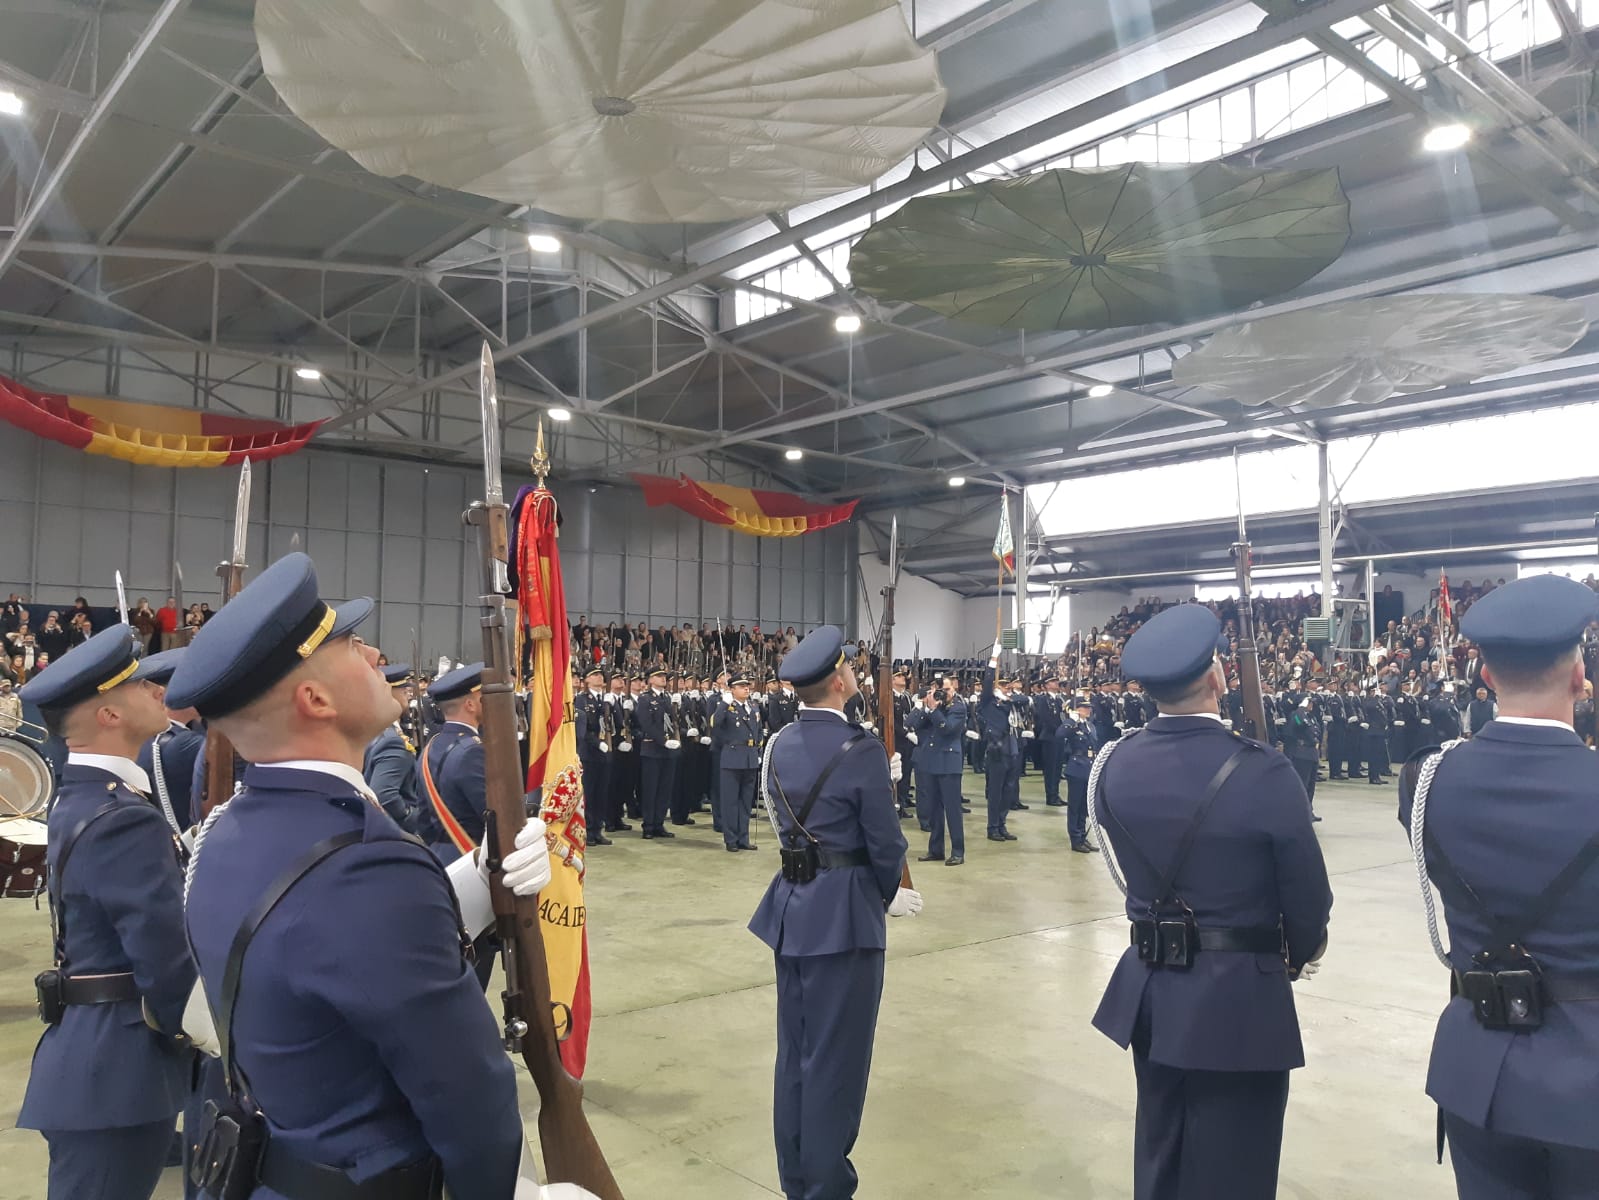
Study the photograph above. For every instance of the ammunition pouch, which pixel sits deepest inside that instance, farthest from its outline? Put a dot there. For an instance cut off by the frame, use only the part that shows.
(49, 985)
(800, 863)
(1167, 938)
(1505, 991)
(231, 1144)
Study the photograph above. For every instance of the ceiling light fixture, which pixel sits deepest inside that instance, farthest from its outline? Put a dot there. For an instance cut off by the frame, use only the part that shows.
(794, 455)
(1441, 138)
(847, 323)
(309, 374)
(560, 414)
(11, 104)
(957, 481)
(1260, 433)
(543, 243)
(1100, 390)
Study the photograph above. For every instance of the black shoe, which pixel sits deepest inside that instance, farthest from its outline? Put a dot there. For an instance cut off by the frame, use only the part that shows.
(996, 837)
(1019, 805)
(930, 858)
(966, 809)
(619, 827)
(1375, 782)
(1084, 847)
(927, 829)
(648, 834)
(732, 849)
(954, 860)
(665, 833)
(903, 815)
(748, 846)
(599, 839)
(1055, 803)
(1337, 777)
(686, 821)
(1314, 819)
(1010, 837)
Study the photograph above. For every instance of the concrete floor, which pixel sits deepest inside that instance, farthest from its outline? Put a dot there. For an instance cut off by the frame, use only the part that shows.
(988, 1079)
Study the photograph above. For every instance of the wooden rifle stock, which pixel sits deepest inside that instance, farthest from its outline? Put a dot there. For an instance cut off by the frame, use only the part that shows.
(571, 1152)
(885, 695)
(1248, 652)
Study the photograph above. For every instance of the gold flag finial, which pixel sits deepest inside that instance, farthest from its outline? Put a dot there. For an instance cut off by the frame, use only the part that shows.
(541, 458)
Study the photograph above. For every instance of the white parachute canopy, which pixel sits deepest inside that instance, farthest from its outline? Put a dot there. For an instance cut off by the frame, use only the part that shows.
(1365, 351)
(650, 111)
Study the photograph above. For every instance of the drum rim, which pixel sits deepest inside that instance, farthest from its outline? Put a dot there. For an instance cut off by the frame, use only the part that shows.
(44, 777)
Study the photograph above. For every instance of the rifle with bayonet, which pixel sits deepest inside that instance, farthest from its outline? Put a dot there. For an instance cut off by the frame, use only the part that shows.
(218, 750)
(885, 665)
(571, 1153)
(1248, 654)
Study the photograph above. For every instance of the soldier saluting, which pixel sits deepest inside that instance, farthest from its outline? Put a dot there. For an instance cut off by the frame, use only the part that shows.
(1228, 900)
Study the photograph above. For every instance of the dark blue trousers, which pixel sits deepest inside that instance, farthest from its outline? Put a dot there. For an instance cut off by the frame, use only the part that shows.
(1207, 1135)
(1497, 1166)
(108, 1164)
(1049, 756)
(737, 794)
(940, 804)
(655, 791)
(597, 791)
(826, 1019)
(1077, 809)
(1000, 786)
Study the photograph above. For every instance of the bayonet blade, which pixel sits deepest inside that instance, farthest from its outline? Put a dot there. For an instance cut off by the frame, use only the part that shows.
(122, 599)
(893, 550)
(241, 516)
(493, 488)
(177, 584)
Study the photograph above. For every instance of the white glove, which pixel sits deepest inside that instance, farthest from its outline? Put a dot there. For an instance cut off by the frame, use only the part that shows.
(972, 734)
(705, 741)
(1426, 722)
(198, 1026)
(907, 902)
(896, 771)
(526, 869)
(672, 743)
(693, 733)
(1399, 724)
(1227, 724)
(869, 727)
(624, 747)
(1364, 725)
(628, 704)
(605, 747)
(1027, 733)
(1308, 971)
(910, 736)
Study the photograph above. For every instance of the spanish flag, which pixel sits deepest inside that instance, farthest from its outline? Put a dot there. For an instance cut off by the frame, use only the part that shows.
(553, 769)
(749, 510)
(154, 435)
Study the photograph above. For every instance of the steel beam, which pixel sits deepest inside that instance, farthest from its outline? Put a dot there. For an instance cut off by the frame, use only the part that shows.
(45, 195)
(1309, 18)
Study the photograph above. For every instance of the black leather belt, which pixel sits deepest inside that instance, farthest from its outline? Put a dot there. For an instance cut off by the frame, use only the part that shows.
(835, 860)
(1556, 991)
(1238, 941)
(300, 1180)
(99, 989)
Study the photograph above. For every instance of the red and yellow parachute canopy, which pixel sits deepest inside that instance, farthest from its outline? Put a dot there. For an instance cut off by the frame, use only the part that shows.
(749, 510)
(151, 434)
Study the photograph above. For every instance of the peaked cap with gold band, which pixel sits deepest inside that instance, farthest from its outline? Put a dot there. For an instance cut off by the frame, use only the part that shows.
(105, 661)
(273, 625)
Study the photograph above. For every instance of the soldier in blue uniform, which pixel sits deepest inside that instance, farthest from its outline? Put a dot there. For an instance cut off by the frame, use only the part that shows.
(939, 722)
(1512, 835)
(1302, 742)
(1002, 754)
(831, 791)
(450, 768)
(737, 739)
(1048, 716)
(358, 1029)
(169, 757)
(624, 757)
(1374, 734)
(1440, 719)
(112, 1071)
(389, 766)
(592, 714)
(1228, 898)
(658, 747)
(1079, 739)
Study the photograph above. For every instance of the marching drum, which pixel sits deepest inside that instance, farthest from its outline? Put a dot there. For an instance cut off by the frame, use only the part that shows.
(22, 858)
(26, 781)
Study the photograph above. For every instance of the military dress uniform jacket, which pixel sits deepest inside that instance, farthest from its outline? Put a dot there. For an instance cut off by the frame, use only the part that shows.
(359, 1026)
(1511, 808)
(390, 770)
(993, 719)
(1047, 715)
(1079, 743)
(650, 713)
(121, 897)
(455, 757)
(842, 908)
(1255, 864)
(589, 714)
(781, 708)
(942, 732)
(736, 737)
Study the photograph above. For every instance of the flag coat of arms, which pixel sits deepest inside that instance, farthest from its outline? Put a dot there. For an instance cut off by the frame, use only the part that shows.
(1004, 548)
(1445, 608)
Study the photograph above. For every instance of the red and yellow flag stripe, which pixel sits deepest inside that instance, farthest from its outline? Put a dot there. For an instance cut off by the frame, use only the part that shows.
(749, 510)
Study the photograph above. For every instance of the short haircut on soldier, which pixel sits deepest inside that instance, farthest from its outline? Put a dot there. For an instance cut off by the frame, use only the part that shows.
(1524, 667)
(815, 693)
